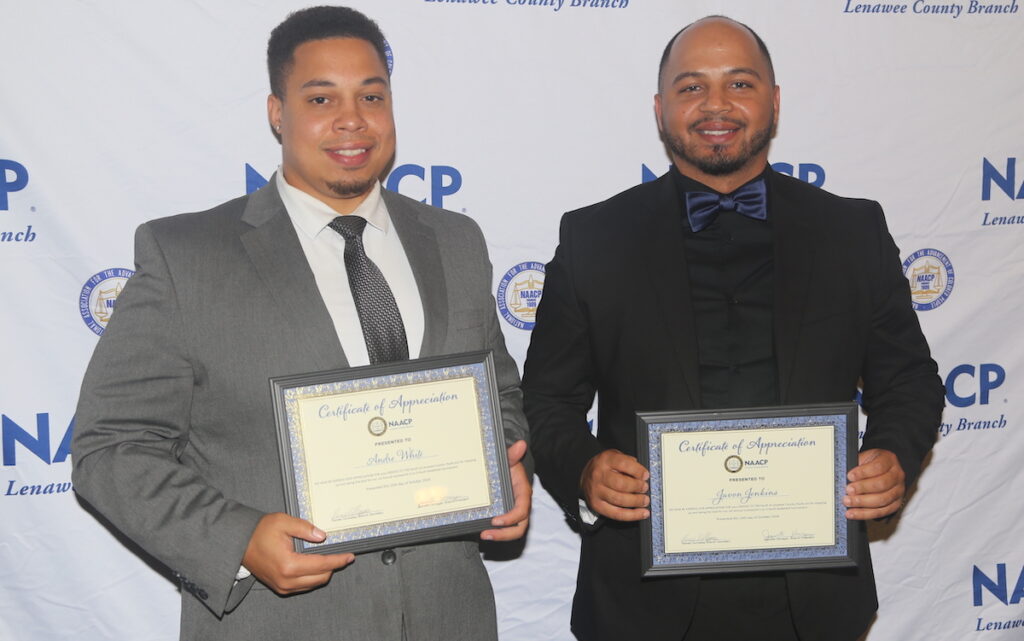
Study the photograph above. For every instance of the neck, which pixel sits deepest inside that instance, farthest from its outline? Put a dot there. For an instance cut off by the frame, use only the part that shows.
(341, 205)
(725, 183)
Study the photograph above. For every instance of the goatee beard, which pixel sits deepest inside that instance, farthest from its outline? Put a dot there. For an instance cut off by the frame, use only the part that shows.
(717, 163)
(350, 189)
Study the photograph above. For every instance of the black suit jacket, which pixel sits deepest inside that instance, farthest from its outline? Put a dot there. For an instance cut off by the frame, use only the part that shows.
(616, 319)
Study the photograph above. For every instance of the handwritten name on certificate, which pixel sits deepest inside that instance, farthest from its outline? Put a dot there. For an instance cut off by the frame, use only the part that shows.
(749, 489)
(384, 455)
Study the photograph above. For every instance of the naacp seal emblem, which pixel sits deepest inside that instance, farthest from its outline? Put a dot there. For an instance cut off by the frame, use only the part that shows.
(519, 294)
(389, 56)
(100, 292)
(733, 464)
(931, 278)
(377, 426)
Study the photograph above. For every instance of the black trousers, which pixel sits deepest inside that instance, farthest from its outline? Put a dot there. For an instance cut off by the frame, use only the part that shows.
(744, 607)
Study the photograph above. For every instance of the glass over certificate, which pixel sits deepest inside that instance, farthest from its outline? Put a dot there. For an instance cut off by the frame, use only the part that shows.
(395, 454)
(748, 490)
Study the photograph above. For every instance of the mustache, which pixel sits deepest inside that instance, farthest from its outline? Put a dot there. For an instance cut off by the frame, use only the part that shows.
(731, 121)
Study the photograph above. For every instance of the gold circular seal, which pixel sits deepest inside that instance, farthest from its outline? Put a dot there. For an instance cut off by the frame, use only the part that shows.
(377, 426)
(733, 464)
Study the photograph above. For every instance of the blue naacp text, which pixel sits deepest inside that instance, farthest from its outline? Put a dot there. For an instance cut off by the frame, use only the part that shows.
(998, 587)
(39, 444)
(808, 172)
(1004, 181)
(443, 180)
(977, 383)
(253, 179)
(13, 177)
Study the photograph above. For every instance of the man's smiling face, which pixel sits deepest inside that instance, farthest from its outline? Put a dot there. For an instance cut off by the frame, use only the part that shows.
(336, 123)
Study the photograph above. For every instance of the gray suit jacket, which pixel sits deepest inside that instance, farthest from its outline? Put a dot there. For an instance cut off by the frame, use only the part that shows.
(175, 440)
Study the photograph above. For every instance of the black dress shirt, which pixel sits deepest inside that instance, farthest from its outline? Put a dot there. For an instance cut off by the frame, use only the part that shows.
(731, 275)
(730, 265)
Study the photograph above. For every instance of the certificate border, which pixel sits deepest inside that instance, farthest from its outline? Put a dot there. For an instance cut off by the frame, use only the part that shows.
(285, 391)
(844, 553)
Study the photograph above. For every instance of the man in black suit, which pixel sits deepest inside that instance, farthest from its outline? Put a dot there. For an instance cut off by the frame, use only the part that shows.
(722, 284)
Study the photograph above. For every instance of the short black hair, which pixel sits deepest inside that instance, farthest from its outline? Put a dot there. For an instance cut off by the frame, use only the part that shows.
(317, 23)
(760, 45)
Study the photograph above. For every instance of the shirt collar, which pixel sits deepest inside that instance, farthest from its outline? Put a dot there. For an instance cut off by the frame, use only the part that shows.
(311, 215)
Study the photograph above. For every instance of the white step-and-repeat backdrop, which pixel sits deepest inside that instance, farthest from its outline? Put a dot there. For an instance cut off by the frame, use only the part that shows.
(513, 111)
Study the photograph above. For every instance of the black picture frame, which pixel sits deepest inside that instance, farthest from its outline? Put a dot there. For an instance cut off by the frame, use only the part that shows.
(393, 378)
(719, 424)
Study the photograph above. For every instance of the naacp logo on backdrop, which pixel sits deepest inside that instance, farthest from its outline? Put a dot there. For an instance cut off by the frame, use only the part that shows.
(428, 184)
(810, 172)
(991, 586)
(1002, 193)
(98, 296)
(519, 294)
(931, 277)
(14, 178)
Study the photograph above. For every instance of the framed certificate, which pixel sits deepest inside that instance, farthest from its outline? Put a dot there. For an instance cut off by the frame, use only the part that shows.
(748, 490)
(395, 454)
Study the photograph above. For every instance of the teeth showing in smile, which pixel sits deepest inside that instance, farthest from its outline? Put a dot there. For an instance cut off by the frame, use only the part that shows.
(715, 132)
(349, 152)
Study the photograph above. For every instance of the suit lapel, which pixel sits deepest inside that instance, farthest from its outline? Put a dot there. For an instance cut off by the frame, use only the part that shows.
(273, 246)
(796, 244)
(661, 226)
(421, 248)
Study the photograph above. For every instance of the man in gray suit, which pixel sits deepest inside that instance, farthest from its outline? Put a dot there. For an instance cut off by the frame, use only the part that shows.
(175, 438)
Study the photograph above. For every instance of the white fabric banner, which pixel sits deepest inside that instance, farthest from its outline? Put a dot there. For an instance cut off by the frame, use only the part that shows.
(513, 111)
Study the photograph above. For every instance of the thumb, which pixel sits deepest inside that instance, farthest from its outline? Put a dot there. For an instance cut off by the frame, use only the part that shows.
(867, 456)
(302, 529)
(516, 452)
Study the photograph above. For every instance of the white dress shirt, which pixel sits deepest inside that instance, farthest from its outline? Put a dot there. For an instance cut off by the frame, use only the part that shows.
(325, 251)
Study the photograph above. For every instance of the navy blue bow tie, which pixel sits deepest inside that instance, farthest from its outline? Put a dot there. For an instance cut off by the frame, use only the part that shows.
(750, 200)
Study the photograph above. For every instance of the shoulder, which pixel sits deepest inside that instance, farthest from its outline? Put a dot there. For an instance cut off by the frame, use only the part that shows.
(445, 223)
(809, 198)
(427, 214)
(200, 224)
(643, 197)
(195, 238)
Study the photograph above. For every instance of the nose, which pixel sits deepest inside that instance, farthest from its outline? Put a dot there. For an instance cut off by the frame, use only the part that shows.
(715, 101)
(349, 117)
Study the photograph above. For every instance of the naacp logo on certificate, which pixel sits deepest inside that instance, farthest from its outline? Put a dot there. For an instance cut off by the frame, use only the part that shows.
(519, 294)
(377, 426)
(931, 277)
(100, 292)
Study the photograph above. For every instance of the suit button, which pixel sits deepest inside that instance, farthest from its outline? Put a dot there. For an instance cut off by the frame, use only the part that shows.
(388, 557)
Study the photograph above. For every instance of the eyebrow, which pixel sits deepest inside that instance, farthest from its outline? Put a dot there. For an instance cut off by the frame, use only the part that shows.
(320, 82)
(732, 72)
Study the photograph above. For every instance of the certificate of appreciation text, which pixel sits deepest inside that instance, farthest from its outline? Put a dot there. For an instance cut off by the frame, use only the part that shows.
(393, 454)
(746, 490)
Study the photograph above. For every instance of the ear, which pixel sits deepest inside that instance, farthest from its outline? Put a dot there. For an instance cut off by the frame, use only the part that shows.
(657, 110)
(274, 113)
(775, 100)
